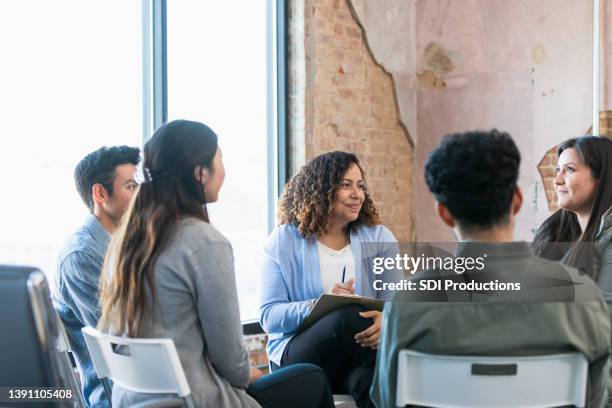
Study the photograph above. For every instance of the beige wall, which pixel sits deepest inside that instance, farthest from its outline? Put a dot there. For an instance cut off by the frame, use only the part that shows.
(523, 66)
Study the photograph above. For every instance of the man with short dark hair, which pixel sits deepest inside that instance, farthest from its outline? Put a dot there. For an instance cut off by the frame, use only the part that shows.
(473, 177)
(105, 181)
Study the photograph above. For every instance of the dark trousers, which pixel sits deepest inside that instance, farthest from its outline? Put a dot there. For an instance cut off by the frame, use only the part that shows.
(330, 344)
(299, 386)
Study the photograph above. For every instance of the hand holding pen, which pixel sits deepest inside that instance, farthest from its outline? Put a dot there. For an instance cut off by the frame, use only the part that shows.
(344, 288)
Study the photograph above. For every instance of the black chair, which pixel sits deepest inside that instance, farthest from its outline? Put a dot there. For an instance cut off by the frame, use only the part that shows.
(29, 354)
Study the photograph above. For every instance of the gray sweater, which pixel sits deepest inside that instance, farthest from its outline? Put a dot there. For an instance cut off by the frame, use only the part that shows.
(197, 306)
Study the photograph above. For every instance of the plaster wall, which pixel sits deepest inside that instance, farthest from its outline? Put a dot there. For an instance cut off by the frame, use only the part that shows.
(522, 66)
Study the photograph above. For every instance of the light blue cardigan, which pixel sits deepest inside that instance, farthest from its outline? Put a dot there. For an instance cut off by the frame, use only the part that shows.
(290, 277)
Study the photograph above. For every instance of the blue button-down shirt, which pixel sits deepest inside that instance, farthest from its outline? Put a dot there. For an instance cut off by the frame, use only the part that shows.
(76, 298)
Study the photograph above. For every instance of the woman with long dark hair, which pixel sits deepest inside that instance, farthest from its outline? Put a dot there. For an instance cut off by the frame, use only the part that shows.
(171, 275)
(580, 232)
(326, 219)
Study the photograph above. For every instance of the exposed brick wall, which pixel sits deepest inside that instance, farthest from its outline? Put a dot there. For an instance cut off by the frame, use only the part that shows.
(548, 164)
(547, 168)
(350, 104)
(256, 346)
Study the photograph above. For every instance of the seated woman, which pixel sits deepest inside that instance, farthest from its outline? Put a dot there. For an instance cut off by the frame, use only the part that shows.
(579, 234)
(325, 215)
(171, 275)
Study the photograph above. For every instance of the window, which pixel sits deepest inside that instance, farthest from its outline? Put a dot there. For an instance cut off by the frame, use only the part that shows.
(71, 80)
(217, 75)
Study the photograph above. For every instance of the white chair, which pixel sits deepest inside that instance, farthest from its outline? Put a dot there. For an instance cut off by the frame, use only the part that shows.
(63, 346)
(149, 366)
(466, 381)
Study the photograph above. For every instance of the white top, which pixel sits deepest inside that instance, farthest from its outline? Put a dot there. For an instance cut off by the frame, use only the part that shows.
(332, 262)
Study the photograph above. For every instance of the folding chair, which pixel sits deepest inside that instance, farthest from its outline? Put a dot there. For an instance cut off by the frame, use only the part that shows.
(473, 382)
(63, 345)
(149, 366)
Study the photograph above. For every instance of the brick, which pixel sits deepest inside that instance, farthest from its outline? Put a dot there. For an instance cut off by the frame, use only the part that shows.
(548, 171)
(322, 25)
(547, 160)
(350, 105)
(326, 13)
(353, 32)
(344, 15)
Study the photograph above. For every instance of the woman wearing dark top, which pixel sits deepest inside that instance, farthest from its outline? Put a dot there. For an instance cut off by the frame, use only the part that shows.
(171, 275)
(579, 234)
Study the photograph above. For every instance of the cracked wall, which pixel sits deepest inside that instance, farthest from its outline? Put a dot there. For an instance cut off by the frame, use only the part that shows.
(351, 105)
(520, 66)
(388, 79)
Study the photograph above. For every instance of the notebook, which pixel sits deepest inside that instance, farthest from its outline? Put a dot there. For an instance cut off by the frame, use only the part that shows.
(327, 303)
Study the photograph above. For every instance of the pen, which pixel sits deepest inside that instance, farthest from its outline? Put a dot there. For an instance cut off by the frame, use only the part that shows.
(343, 273)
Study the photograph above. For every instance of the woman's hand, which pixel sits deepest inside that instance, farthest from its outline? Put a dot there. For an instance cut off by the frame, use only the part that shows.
(370, 336)
(254, 375)
(346, 288)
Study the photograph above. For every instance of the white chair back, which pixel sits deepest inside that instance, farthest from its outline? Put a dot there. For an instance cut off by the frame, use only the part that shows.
(472, 382)
(149, 366)
(63, 345)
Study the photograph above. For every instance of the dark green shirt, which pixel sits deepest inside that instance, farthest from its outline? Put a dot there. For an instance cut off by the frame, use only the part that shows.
(556, 311)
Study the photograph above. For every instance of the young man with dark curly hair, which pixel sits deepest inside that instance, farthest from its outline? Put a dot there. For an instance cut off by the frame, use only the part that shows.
(105, 181)
(326, 213)
(473, 177)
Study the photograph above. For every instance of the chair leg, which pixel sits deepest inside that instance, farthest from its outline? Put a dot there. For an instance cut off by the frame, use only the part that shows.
(189, 401)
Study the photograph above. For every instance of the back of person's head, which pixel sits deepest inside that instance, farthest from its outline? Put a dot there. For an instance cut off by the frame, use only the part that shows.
(176, 153)
(562, 226)
(170, 158)
(474, 175)
(98, 167)
(309, 196)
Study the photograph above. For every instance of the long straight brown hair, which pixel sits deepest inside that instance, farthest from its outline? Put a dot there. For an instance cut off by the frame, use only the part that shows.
(170, 192)
(561, 233)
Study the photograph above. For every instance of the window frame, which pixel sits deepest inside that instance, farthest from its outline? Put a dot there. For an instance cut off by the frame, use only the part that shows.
(155, 94)
(155, 86)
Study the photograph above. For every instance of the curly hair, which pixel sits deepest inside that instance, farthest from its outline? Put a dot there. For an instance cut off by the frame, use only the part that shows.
(310, 194)
(474, 174)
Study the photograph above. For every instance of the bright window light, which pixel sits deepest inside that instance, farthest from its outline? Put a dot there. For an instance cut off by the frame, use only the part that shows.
(71, 81)
(217, 75)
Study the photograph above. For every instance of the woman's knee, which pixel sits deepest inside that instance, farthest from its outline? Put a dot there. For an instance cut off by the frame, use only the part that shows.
(302, 370)
(313, 377)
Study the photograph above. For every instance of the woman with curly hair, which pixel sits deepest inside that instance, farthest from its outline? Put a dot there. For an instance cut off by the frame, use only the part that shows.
(325, 214)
